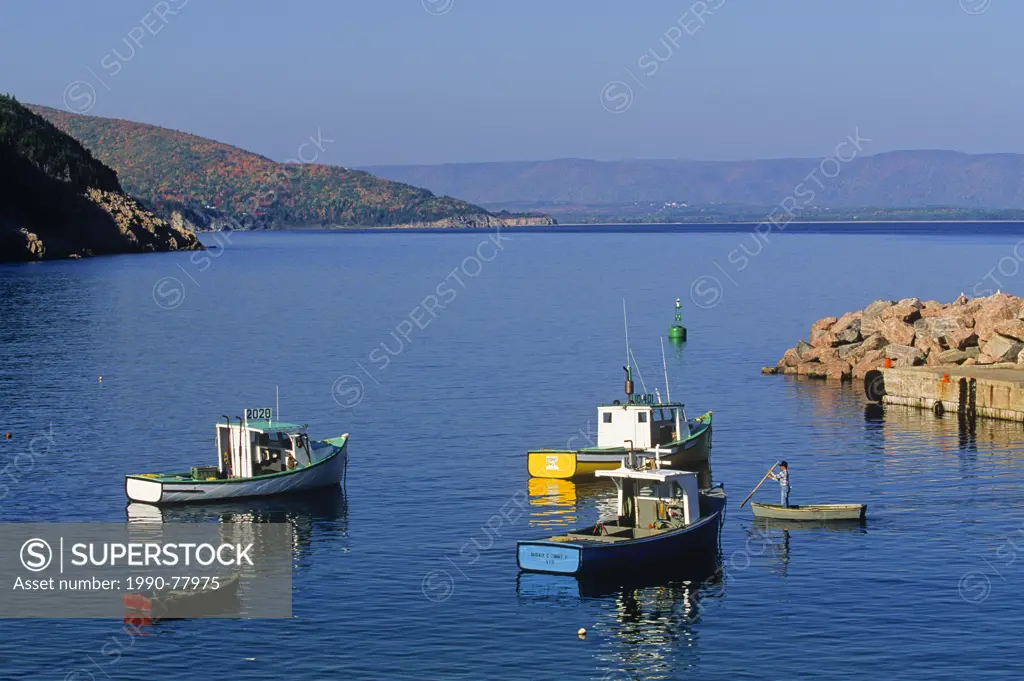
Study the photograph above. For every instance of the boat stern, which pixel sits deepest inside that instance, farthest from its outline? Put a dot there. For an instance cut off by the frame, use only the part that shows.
(551, 464)
(143, 489)
(549, 556)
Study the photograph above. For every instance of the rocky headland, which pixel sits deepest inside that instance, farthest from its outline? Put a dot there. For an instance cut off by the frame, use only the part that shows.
(909, 332)
(57, 201)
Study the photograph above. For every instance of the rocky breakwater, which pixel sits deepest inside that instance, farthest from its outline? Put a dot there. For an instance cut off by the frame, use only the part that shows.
(981, 331)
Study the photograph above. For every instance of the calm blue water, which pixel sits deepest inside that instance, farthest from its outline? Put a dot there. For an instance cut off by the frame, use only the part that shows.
(402, 576)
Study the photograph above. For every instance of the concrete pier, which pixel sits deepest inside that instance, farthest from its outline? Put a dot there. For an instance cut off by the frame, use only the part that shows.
(967, 391)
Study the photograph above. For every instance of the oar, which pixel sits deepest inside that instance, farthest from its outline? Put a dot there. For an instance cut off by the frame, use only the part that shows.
(760, 483)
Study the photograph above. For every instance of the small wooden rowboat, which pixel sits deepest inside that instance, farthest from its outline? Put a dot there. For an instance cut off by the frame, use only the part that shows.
(810, 512)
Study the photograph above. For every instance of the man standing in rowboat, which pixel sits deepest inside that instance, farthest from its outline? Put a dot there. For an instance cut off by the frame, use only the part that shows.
(783, 477)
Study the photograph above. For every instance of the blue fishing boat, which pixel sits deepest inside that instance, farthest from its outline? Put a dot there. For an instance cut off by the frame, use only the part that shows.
(663, 518)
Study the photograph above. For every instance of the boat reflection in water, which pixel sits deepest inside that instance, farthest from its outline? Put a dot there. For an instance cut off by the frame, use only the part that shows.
(316, 517)
(648, 627)
(557, 503)
(773, 535)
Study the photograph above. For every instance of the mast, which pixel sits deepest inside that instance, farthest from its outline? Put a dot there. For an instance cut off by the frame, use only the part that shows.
(638, 372)
(225, 453)
(629, 372)
(241, 458)
(664, 365)
(625, 323)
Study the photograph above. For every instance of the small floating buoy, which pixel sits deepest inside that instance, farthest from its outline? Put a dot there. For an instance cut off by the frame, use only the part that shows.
(677, 332)
(101, 379)
(7, 436)
(582, 633)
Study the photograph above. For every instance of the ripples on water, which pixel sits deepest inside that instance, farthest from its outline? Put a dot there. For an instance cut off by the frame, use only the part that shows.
(518, 360)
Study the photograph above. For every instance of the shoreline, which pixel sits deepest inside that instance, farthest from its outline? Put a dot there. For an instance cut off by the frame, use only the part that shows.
(619, 226)
(797, 222)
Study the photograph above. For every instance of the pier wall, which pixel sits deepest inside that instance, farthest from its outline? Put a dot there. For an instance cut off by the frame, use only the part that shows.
(969, 391)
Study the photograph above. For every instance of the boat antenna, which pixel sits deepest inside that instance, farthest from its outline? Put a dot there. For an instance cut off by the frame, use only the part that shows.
(626, 324)
(642, 384)
(664, 365)
(225, 455)
(277, 401)
(241, 431)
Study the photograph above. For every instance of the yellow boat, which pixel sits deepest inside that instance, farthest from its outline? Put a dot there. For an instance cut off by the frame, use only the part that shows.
(643, 424)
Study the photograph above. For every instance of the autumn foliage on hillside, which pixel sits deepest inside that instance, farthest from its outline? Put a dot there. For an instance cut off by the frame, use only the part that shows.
(174, 170)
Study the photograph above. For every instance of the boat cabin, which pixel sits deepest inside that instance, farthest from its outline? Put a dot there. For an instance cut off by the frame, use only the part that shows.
(250, 448)
(656, 499)
(641, 423)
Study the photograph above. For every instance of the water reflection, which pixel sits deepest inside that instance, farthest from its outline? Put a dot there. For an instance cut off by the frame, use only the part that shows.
(772, 537)
(648, 626)
(647, 623)
(902, 426)
(560, 503)
(677, 347)
(318, 516)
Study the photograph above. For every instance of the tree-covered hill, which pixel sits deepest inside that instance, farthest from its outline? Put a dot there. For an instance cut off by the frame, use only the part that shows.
(172, 170)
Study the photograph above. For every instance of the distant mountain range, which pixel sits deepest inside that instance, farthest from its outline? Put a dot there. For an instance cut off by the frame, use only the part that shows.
(214, 185)
(910, 183)
(58, 201)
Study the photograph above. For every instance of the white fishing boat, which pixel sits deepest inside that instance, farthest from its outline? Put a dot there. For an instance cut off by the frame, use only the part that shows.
(259, 457)
(643, 424)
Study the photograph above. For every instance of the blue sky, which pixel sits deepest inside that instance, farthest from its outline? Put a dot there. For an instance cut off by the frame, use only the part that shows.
(434, 81)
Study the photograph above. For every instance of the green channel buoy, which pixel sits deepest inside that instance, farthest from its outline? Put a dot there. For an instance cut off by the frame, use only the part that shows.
(677, 332)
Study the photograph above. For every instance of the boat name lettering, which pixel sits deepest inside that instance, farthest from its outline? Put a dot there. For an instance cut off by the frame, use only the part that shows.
(645, 398)
(255, 414)
(548, 555)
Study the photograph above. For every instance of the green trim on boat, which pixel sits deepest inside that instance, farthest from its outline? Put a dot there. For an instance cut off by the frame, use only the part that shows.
(276, 426)
(187, 477)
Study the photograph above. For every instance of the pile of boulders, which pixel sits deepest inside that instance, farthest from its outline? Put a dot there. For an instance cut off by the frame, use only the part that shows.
(987, 331)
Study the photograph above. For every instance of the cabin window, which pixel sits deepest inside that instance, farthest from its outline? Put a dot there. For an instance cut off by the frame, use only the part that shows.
(641, 417)
(607, 416)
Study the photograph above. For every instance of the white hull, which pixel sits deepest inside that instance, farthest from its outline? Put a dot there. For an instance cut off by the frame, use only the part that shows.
(323, 474)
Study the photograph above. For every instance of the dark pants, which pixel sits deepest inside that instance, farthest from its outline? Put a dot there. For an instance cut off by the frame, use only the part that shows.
(785, 496)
